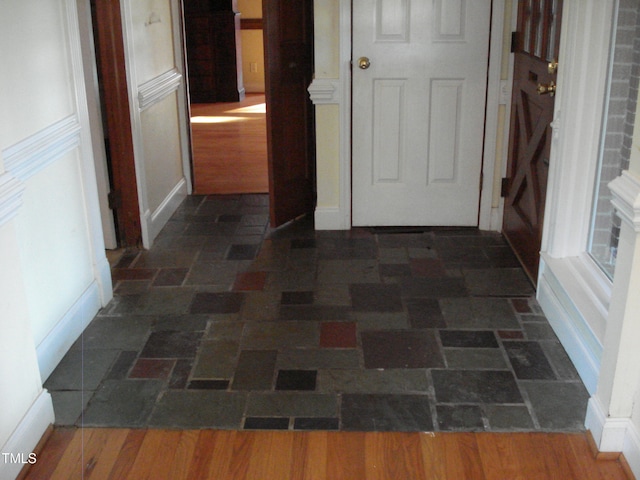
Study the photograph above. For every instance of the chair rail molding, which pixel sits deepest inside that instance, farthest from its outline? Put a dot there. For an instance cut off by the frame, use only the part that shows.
(325, 91)
(156, 89)
(11, 190)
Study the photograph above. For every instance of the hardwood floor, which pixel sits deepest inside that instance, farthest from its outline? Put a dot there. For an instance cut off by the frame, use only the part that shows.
(92, 453)
(230, 147)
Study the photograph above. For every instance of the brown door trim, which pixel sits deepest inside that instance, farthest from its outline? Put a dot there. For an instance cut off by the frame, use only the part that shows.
(113, 78)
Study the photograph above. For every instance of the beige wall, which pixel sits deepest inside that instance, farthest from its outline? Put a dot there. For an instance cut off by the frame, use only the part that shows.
(252, 48)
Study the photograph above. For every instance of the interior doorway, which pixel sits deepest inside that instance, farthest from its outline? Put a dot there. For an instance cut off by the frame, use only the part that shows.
(225, 55)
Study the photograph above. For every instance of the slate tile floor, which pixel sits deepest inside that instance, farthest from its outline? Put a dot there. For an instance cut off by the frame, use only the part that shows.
(225, 323)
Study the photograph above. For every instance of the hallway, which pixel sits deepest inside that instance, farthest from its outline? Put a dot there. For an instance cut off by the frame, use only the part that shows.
(227, 324)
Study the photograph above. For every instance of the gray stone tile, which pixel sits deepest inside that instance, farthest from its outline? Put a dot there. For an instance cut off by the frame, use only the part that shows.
(127, 332)
(314, 359)
(292, 404)
(68, 406)
(271, 335)
(199, 409)
(500, 282)
(372, 381)
(466, 418)
(423, 287)
(314, 312)
(170, 300)
(375, 297)
(425, 313)
(468, 338)
(475, 358)
(260, 306)
(560, 361)
(154, 258)
(381, 320)
(401, 349)
(230, 330)
(393, 255)
(508, 417)
(255, 370)
(475, 386)
(216, 360)
(539, 331)
(479, 313)
(347, 271)
(186, 323)
(290, 279)
(528, 360)
(328, 294)
(220, 272)
(171, 344)
(560, 406)
(81, 369)
(362, 412)
(126, 403)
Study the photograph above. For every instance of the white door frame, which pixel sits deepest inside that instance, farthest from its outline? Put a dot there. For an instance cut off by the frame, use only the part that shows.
(338, 91)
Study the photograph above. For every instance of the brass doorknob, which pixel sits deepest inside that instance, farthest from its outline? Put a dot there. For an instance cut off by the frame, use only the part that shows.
(363, 63)
(549, 89)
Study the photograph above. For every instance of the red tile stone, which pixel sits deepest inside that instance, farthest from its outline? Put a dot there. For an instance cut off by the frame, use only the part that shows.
(427, 267)
(338, 335)
(152, 368)
(250, 281)
(510, 334)
(521, 305)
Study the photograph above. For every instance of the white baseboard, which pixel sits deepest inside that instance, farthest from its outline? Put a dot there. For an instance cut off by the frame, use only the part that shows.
(56, 344)
(27, 434)
(576, 337)
(158, 219)
(614, 434)
(330, 218)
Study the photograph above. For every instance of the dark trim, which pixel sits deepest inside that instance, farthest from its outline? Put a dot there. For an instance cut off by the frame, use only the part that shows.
(250, 24)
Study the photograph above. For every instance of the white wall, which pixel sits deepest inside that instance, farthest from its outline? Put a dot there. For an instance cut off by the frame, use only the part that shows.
(54, 274)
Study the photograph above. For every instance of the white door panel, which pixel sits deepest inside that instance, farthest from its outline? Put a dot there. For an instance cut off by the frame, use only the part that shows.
(418, 110)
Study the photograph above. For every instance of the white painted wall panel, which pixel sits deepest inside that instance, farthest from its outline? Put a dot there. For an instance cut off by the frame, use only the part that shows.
(444, 134)
(389, 113)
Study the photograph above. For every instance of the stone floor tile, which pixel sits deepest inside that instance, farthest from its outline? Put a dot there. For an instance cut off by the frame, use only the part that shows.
(184, 323)
(171, 344)
(381, 321)
(230, 330)
(394, 270)
(266, 423)
(466, 418)
(255, 370)
(539, 331)
(260, 306)
(148, 368)
(424, 287)
(347, 271)
(559, 406)
(276, 335)
(314, 312)
(475, 386)
(503, 282)
(127, 332)
(242, 251)
(123, 363)
(425, 313)
(250, 281)
(559, 360)
(297, 298)
(508, 417)
(181, 372)
(170, 277)
(217, 272)
(298, 380)
(208, 385)
(389, 381)
(216, 359)
(315, 359)
(363, 412)
(292, 404)
(401, 349)
(528, 360)
(199, 409)
(316, 423)
(413, 240)
(468, 338)
(167, 300)
(81, 369)
(478, 313)
(338, 335)
(375, 297)
(68, 406)
(427, 267)
(213, 302)
(126, 403)
(475, 358)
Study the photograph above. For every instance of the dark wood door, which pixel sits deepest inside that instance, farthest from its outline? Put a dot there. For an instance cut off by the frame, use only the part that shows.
(288, 44)
(536, 53)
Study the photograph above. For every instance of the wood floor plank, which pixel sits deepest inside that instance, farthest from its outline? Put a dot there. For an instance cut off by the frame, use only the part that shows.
(393, 455)
(229, 144)
(238, 455)
(49, 457)
(128, 454)
(346, 455)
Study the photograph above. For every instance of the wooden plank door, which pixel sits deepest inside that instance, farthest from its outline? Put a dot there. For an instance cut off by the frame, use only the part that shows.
(288, 43)
(536, 45)
(418, 110)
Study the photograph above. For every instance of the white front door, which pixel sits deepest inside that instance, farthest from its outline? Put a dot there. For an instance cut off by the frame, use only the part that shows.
(418, 110)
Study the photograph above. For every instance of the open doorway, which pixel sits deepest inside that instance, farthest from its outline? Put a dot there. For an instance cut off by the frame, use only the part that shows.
(225, 55)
